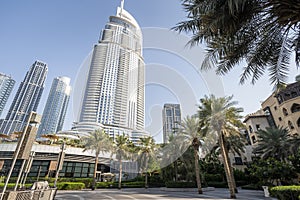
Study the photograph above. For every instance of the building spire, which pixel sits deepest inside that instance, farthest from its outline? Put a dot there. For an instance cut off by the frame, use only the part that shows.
(122, 7)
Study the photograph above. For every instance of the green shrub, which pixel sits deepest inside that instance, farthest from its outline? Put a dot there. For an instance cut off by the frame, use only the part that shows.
(217, 184)
(87, 181)
(12, 185)
(172, 184)
(213, 177)
(104, 185)
(68, 185)
(285, 192)
(157, 184)
(252, 187)
(137, 184)
(241, 183)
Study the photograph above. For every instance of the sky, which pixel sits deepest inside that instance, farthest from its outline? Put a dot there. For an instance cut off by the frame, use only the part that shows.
(63, 33)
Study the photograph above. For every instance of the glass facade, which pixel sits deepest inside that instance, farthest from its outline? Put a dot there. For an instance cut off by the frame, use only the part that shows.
(26, 100)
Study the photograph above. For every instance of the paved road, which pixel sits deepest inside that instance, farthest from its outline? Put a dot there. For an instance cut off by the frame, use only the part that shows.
(157, 193)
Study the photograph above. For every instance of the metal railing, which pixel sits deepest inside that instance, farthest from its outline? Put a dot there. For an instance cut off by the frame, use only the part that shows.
(46, 194)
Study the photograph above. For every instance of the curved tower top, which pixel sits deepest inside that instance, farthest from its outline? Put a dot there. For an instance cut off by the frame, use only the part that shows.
(114, 91)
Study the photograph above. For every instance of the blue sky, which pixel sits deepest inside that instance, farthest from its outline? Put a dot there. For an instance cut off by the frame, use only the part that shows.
(62, 33)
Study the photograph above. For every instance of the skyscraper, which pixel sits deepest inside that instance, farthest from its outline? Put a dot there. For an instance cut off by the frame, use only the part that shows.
(6, 86)
(56, 106)
(114, 92)
(171, 120)
(26, 100)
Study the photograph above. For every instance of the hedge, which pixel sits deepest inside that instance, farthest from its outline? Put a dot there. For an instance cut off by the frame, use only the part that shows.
(217, 184)
(213, 177)
(104, 185)
(12, 185)
(286, 192)
(69, 185)
(87, 181)
(173, 184)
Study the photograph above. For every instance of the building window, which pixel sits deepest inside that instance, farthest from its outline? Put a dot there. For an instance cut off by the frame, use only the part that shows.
(250, 129)
(253, 139)
(298, 122)
(285, 112)
(280, 119)
(291, 125)
(257, 127)
(238, 160)
(275, 107)
(295, 108)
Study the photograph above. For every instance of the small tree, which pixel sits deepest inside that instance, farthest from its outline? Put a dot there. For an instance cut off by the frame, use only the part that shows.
(97, 141)
(191, 135)
(146, 152)
(121, 149)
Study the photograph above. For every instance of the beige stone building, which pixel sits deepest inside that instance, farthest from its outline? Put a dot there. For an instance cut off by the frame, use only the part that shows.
(284, 107)
(255, 122)
(281, 109)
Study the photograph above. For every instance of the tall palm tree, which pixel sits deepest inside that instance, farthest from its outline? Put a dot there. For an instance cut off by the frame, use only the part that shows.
(191, 135)
(275, 143)
(219, 117)
(147, 151)
(264, 33)
(97, 141)
(121, 148)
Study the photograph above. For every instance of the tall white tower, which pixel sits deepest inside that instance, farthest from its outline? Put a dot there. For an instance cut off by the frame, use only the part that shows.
(26, 99)
(114, 92)
(56, 106)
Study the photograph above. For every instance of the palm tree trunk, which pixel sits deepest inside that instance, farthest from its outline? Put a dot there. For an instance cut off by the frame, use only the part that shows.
(146, 175)
(227, 166)
(232, 175)
(120, 174)
(196, 156)
(95, 171)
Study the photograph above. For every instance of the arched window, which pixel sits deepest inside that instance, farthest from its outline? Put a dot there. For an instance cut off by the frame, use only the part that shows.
(291, 125)
(253, 139)
(250, 129)
(298, 122)
(295, 108)
(285, 112)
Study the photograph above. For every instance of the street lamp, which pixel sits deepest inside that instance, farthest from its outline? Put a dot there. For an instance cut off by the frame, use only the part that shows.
(60, 162)
(24, 146)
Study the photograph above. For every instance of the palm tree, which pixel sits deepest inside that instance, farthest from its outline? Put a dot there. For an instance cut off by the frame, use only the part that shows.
(191, 135)
(264, 33)
(97, 141)
(274, 143)
(220, 118)
(147, 151)
(121, 148)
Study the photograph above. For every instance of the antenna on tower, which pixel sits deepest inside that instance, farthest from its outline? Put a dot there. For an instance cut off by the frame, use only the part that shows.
(122, 7)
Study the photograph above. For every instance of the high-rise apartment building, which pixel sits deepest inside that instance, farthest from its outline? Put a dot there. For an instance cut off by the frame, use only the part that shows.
(171, 120)
(6, 86)
(26, 100)
(56, 106)
(114, 91)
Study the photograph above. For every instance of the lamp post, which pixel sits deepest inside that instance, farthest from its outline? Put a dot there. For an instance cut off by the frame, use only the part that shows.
(24, 146)
(60, 161)
(27, 168)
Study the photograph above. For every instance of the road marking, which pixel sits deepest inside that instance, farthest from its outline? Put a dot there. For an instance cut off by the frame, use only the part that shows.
(77, 196)
(128, 196)
(108, 197)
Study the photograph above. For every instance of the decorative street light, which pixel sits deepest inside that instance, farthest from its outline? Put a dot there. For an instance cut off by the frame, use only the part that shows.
(60, 161)
(23, 147)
